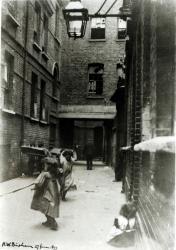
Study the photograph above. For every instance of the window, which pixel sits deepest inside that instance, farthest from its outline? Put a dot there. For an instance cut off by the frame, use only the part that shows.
(121, 75)
(34, 91)
(45, 33)
(42, 101)
(7, 72)
(121, 29)
(57, 23)
(37, 18)
(56, 81)
(98, 28)
(95, 86)
(11, 21)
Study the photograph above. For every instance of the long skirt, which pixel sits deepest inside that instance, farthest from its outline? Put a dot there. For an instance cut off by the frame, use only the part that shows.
(47, 200)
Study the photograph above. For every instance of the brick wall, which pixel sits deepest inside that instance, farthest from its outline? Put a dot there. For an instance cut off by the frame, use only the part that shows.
(149, 178)
(9, 148)
(13, 41)
(77, 54)
(165, 69)
(156, 201)
(11, 120)
(75, 71)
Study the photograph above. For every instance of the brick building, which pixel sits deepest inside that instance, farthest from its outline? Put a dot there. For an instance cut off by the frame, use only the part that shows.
(39, 62)
(30, 78)
(89, 77)
(148, 142)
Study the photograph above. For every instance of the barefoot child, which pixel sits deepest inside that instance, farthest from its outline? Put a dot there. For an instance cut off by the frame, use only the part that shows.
(46, 197)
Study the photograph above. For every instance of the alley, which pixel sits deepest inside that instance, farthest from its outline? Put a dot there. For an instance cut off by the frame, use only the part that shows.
(85, 218)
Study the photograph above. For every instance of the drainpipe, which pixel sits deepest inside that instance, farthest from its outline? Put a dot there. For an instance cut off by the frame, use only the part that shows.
(24, 73)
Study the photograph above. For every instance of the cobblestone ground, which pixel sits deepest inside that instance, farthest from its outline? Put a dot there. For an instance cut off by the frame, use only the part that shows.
(85, 218)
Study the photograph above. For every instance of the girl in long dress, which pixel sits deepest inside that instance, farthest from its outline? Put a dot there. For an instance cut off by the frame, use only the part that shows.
(67, 159)
(46, 197)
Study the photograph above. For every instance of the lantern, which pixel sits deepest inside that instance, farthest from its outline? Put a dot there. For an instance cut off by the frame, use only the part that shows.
(76, 18)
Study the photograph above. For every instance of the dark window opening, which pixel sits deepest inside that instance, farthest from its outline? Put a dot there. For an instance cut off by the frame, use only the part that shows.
(34, 105)
(98, 28)
(42, 101)
(122, 29)
(37, 18)
(7, 74)
(57, 23)
(95, 85)
(55, 81)
(45, 33)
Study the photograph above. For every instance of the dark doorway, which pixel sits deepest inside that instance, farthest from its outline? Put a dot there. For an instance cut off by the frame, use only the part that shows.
(98, 142)
(66, 133)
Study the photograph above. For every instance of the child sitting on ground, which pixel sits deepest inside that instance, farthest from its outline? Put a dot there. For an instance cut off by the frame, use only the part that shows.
(126, 219)
(122, 232)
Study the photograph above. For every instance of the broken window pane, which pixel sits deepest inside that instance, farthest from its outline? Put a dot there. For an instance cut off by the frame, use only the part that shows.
(98, 28)
(95, 85)
(121, 29)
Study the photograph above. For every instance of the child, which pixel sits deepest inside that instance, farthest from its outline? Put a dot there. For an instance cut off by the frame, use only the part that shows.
(67, 159)
(46, 197)
(122, 232)
(126, 219)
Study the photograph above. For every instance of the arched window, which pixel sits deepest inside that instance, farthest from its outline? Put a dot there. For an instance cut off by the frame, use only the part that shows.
(56, 80)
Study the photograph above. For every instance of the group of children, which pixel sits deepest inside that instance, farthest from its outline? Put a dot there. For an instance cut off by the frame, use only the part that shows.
(52, 185)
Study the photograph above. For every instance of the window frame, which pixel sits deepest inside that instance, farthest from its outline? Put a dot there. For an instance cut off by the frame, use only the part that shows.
(45, 33)
(91, 29)
(37, 23)
(43, 100)
(34, 96)
(8, 82)
(57, 22)
(99, 81)
(55, 85)
(121, 29)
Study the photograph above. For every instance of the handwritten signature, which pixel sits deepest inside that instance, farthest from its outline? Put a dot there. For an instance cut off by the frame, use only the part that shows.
(37, 247)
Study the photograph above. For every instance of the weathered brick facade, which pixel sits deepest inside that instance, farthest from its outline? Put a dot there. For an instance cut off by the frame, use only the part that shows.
(19, 124)
(77, 55)
(150, 88)
(44, 63)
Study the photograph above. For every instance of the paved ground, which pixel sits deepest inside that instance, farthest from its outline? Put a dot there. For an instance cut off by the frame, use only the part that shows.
(85, 218)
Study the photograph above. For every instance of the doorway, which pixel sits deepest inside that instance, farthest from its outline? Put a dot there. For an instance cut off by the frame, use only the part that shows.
(98, 142)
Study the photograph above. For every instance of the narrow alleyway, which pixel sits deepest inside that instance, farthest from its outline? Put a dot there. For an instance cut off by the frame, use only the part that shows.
(85, 218)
